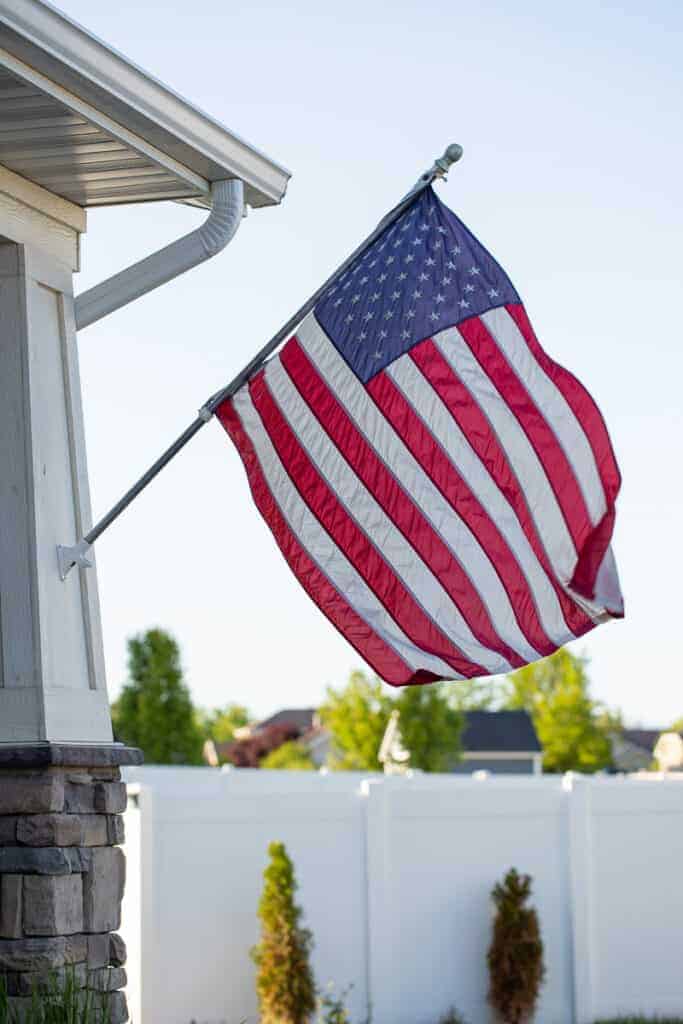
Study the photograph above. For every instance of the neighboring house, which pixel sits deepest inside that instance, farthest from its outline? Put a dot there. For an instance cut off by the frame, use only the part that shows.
(290, 723)
(502, 742)
(638, 750)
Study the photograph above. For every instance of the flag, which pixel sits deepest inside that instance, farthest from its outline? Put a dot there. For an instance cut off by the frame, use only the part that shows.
(441, 488)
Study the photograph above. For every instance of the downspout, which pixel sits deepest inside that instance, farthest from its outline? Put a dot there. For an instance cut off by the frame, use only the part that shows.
(227, 210)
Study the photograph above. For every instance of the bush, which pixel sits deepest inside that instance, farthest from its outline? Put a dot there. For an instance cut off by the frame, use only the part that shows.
(56, 1001)
(515, 957)
(331, 1008)
(284, 980)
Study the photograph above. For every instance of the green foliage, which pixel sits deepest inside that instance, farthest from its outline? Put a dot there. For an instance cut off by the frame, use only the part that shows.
(155, 709)
(357, 717)
(515, 957)
(331, 1008)
(219, 724)
(430, 727)
(284, 980)
(291, 756)
(573, 730)
(58, 1000)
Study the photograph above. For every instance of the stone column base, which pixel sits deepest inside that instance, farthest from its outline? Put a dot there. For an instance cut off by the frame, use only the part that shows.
(62, 871)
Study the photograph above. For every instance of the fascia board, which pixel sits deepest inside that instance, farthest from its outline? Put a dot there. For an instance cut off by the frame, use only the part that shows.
(44, 38)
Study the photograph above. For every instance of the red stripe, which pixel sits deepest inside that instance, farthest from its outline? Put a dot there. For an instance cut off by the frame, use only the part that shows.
(346, 534)
(589, 416)
(459, 496)
(403, 512)
(477, 429)
(555, 463)
(378, 654)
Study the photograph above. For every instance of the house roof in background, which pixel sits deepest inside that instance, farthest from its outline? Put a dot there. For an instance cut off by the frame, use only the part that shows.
(82, 121)
(646, 739)
(301, 718)
(503, 731)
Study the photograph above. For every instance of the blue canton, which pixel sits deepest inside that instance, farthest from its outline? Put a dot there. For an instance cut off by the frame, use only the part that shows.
(425, 273)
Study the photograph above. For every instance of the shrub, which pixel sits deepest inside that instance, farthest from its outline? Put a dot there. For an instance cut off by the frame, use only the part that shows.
(331, 1008)
(515, 957)
(452, 1017)
(284, 980)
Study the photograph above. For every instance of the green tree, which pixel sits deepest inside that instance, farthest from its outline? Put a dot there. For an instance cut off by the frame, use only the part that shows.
(284, 979)
(357, 717)
(430, 727)
(291, 756)
(515, 957)
(219, 724)
(154, 710)
(573, 729)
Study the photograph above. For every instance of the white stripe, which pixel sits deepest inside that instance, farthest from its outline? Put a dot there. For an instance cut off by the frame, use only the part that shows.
(361, 506)
(454, 532)
(429, 407)
(525, 464)
(554, 407)
(322, 549)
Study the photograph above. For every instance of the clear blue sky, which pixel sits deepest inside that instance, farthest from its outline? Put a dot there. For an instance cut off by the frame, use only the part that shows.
(570, 119)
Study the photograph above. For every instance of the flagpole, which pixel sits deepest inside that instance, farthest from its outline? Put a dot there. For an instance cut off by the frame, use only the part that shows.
(77, 554)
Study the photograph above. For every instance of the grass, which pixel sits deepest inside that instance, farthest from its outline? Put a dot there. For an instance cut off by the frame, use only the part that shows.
(57, 1001)
(638, 1019)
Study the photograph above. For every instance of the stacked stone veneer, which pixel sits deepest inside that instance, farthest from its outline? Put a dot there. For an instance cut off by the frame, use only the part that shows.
(62, 875)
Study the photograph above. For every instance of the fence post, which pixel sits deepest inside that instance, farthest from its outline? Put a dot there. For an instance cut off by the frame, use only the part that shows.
(581, 896)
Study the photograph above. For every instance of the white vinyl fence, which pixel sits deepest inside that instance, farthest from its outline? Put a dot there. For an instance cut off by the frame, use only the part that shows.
(395, 879)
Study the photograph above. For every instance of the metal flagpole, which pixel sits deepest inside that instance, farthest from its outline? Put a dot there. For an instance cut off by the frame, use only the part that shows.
(76, 555)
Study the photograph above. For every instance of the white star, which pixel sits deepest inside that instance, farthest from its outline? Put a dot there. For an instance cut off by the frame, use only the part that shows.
(332, 290)
(368, 316)
(389, 260)
(417, 294)
(424, 227)
(417, 241)
(382, 247)
(438, 244)
(395, 295)
(406, 335)
(446, 280)
(356, 269)
(464, 304)
(439, 297)
(469, 287)
(429, 262)
(402, 276)
(410, 314)
(434, 316)
(338, 303)
(399, 241)
(364, 280)
(493, 293)
(383, 334)
(474, 271)
(406, 226)
(347, 285)
(374, 263)
(409, 258)
(374, 297)
(442, 230)
(348, 318)
(451, 265)
(388, 315)
(423, 276)
(355, 299)
(362, 336)
(376, 355)
(456, 250)
(382, 278)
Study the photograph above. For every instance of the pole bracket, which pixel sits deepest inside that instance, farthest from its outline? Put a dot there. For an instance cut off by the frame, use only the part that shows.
(68, 557)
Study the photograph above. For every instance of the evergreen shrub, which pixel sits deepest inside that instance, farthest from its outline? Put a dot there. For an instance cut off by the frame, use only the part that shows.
(515, 957)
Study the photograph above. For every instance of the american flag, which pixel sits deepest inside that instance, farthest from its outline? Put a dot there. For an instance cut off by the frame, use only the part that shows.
(442, 489)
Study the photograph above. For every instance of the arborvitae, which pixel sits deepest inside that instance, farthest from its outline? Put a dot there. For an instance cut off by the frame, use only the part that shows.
(515, 956)
(284, 980)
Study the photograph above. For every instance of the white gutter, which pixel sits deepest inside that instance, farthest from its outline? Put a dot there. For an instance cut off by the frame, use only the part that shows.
(227, 210)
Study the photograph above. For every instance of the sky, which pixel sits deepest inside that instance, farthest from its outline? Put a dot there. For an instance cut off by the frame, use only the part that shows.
(569, 115)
